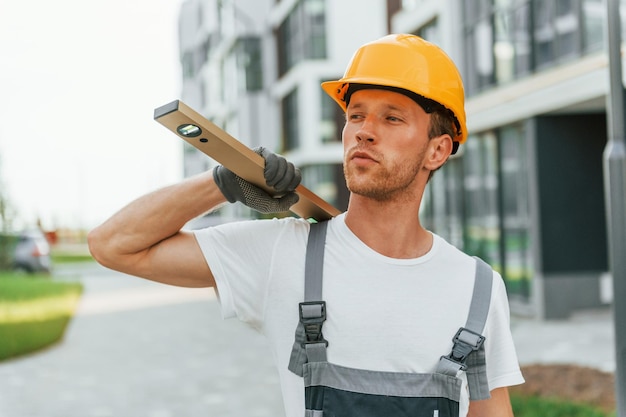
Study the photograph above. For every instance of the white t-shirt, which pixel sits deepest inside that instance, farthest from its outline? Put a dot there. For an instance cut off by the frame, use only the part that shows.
(384, 314)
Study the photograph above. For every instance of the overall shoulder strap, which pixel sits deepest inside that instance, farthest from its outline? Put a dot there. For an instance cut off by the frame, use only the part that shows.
(314, 264)
(468, 351)
(481, 298)
(309, 344)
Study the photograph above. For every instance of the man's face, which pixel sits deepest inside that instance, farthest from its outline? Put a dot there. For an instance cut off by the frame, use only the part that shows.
(385, 139)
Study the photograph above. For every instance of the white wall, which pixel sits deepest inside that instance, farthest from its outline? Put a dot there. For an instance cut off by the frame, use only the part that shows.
(350, 24)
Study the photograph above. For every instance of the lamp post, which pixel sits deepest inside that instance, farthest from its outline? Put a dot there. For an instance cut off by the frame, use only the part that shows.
(615, 197)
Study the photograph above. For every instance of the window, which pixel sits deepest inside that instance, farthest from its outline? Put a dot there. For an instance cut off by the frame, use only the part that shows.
(520, 36)
(229, 87)
(557, 30)
(291, 126)
(482, 218)
(327, 181)
(517, 261)
(478, 45)
(430, 32)
(187, 65)
(478, 202)
(202, 90)
(507, 39)
(512, 46)
(442, 211)
(594, 12)
(302, 35)
(333, 119)
(248, 51)
(567, 28)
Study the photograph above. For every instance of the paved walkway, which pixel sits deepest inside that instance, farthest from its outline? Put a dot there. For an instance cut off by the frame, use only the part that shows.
(139, 349)
(586, 339)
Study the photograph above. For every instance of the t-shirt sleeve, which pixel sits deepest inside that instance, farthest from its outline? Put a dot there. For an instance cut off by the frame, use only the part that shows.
(240, 256)
(502, 364)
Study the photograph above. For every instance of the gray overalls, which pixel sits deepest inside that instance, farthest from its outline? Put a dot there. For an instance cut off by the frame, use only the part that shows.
(332, 390)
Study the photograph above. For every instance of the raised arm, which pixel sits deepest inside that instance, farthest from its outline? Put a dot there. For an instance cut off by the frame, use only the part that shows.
(145, 237)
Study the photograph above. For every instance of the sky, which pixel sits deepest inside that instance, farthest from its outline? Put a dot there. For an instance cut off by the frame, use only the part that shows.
(79, 81)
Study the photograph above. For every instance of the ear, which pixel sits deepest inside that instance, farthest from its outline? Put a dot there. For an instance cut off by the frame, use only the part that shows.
(438, 152)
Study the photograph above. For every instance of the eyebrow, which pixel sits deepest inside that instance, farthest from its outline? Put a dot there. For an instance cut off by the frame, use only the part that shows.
(387, 107)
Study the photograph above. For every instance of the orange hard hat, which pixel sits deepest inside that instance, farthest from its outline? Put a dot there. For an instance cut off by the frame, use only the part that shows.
(410, 63)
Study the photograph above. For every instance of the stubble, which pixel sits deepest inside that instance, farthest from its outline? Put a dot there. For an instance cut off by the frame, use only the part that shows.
(386, 180)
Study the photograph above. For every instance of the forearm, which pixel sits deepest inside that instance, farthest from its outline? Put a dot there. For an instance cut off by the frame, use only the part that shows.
(153, 218)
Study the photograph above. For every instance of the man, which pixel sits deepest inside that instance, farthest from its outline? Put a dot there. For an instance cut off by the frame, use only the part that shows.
(396, 292)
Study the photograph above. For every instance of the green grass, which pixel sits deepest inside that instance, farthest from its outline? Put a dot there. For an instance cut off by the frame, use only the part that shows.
(524, 406)
(64, 258)
(34, 312)
(61, 256)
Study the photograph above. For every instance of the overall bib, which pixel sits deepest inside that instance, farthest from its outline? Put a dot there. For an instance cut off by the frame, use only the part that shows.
(336, 391)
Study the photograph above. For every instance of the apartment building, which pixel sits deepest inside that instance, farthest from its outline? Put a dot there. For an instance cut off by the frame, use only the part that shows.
(526, 190)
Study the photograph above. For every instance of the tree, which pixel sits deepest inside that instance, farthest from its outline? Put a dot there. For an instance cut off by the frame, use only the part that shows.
(7, 240)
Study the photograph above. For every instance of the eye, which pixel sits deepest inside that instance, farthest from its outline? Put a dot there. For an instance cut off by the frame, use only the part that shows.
(394, 119)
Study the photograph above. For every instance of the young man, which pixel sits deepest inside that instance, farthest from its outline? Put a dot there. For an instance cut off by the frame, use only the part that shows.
(396, 293)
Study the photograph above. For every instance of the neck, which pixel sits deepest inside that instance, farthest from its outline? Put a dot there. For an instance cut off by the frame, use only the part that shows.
(392, 229)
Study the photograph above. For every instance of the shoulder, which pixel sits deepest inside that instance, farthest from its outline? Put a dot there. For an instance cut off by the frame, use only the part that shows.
(256, 238)
(445, 248)
(452, 259)
(256, 228)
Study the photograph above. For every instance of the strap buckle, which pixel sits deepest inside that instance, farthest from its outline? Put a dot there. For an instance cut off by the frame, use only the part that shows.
(454, 367)
(465, 342)
(312, 317)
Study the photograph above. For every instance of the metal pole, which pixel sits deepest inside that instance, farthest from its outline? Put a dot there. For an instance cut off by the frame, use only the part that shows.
(615, 197)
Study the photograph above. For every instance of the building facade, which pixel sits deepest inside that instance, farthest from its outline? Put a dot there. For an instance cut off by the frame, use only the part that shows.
(254, 67)
(525, 192)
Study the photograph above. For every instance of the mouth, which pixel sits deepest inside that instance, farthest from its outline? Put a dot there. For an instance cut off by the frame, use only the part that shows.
(362, 156)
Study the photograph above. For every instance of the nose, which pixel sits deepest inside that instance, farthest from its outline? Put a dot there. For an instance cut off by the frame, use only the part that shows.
(366, 130)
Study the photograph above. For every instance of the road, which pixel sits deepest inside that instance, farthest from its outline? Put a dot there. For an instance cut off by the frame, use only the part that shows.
(140, 349)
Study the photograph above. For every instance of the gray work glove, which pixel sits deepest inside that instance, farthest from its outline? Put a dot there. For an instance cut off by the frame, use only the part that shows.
(279, 174)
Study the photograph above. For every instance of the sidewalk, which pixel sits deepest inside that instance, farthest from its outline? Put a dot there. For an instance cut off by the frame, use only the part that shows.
(586, 339)
(141, 349)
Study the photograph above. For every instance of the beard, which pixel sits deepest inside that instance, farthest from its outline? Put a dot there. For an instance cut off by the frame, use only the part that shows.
(385, 181)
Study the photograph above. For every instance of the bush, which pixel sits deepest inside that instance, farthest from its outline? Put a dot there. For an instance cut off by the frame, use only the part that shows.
(34, 312)
(7, 246)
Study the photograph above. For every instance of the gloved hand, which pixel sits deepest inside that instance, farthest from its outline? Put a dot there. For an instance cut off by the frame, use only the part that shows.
(279, 174)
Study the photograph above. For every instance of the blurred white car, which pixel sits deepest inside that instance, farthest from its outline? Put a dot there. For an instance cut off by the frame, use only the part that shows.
(32, 253)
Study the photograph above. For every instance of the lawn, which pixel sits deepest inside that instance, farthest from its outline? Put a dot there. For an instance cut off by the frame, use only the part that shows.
(534, 406)
(34, 312)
